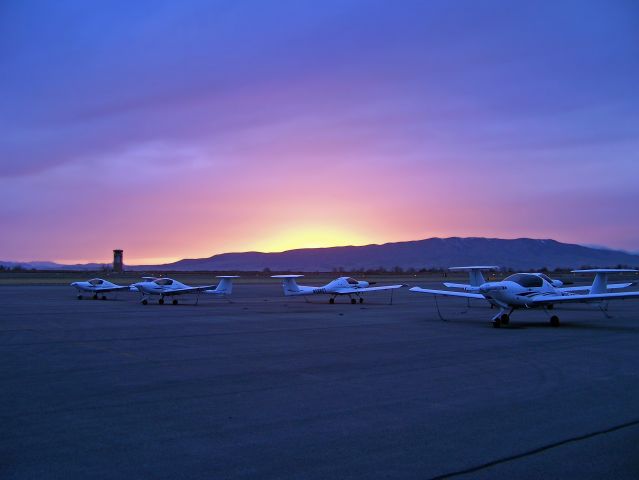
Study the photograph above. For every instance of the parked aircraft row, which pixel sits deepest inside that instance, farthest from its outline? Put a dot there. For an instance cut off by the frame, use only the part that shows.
(517, 291)
(162, 287)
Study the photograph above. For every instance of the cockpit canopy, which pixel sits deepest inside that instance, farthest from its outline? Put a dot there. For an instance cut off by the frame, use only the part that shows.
(96, 281)
(545, 277)
(352, 281)
(526, 280)
(164, 281)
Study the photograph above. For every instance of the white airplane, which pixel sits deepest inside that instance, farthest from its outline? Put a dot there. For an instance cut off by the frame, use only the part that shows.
(476, 279)
(340, 286)
(529, 290)
(168, 287)
(98, 287)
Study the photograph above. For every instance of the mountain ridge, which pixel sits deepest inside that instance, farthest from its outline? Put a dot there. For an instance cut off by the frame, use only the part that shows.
(520, 253)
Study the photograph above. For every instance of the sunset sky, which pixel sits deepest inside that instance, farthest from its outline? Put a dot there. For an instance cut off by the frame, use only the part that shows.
(188, 128)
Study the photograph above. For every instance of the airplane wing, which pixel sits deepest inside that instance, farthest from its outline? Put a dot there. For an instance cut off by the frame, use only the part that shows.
(348, 291)
(456, 285)
(180, 291)
(447, 293)
(585, 298)
(585, 288)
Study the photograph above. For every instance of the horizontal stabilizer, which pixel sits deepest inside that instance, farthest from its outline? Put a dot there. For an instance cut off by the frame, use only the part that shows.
(286, 276)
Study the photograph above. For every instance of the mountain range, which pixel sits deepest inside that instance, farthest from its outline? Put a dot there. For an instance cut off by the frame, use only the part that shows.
(518, 254)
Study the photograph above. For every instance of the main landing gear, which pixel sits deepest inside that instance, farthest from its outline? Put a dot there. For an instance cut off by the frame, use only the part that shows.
(145, 301)
(353, 300)
(503, 319)
(95, 296)
(174, 302)
(554, 321)
(79, 297)
(161, 301)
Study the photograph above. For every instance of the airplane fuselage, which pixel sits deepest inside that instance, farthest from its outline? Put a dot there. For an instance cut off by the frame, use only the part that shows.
(331, 288)
(512, 294)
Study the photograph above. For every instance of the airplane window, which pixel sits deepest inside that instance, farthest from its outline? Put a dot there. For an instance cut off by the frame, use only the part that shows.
(164, 281)
(545, 277)
(96, 281)
(352, 281)
(526, 281)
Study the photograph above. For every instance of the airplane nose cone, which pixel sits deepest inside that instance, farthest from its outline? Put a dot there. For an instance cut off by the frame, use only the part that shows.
(363, 284)
(74, 284)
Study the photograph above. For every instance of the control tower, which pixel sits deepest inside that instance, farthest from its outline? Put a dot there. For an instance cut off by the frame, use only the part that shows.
(118, 261)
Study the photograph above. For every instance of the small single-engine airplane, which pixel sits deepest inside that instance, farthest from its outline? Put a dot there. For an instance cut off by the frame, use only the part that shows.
(529, 290)
(340, 286)
(476, 279)
(168, 287)
(98, 287)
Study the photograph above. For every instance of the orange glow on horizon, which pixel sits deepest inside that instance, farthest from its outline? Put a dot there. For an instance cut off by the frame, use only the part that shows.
(310, 236)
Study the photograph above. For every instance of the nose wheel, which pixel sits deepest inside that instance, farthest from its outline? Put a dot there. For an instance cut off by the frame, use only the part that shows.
(554, 321)
(95, 297)
(161, 301)
(353, 301)
(174, 302)
(361, 300)
(79, 297)
(144, 301)
(331, 300)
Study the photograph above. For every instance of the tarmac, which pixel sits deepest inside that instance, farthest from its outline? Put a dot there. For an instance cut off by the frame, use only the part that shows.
(270, 387)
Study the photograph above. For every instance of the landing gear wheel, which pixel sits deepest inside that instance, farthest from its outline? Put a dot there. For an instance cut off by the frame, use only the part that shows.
(353, 301)
(331, 300)
(103, 297)
(505, 319)
(554, 321)
(361, 300)
(497, 323)
(95, 297)
(174, 302)
(145, 301)
(161, 301)
(79, 297)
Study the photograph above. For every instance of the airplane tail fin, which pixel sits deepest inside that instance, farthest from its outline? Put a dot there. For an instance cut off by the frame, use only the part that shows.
(225, 287)
(600, 283)
(289, 285)
(475, 277)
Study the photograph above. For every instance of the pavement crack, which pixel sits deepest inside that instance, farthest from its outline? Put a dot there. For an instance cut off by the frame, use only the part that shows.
(535, 451)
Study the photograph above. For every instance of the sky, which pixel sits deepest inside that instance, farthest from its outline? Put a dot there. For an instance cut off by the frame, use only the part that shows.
(185, 129)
